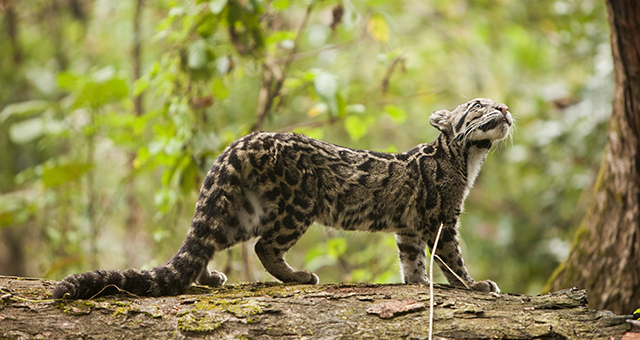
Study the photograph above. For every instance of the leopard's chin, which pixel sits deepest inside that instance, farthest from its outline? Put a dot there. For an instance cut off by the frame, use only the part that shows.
(498, 128)
(494, 123)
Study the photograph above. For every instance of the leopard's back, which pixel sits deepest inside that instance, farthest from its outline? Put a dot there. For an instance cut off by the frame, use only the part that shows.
(290, 175)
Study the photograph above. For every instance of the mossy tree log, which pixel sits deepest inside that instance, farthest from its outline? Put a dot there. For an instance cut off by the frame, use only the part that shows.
(605, 258)
(279, 311)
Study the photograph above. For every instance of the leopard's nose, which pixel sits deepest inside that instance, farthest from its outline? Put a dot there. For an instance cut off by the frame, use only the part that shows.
(503, 108)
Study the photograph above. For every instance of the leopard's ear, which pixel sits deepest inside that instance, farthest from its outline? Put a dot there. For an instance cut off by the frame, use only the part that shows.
(441, 120)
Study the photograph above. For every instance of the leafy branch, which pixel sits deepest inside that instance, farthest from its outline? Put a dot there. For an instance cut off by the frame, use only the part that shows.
(274, 75)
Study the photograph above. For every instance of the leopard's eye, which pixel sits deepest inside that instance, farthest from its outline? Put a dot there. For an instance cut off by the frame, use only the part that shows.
(477, 106)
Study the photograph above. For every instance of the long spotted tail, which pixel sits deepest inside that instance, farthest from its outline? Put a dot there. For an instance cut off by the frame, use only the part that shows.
(170, 279)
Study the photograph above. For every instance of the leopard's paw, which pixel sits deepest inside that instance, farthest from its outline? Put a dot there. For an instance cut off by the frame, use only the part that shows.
(485, 286)
(212, 279)
(305, 277)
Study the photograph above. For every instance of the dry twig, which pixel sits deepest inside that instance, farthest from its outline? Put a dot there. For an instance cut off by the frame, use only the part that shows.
(433, 253)
(389, 73)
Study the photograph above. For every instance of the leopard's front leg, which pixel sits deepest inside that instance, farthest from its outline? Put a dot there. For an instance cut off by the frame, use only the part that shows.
(450, 260)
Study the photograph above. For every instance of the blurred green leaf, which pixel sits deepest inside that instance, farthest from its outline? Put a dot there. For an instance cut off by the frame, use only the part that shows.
(104, 74)
(140, 86)
(96, 89)
(280, 5)
(197, 58)
(326, 85)
(336, 247)
(398, 115)
(67, 81)
(96, 94)
(216, 6)
(281, 36)
(378, 28)
(55, 175)
(23, 109)
(356, 108)
(26, 131)
(218, 89)
(360, 275)
(176, 11)
(356, 126)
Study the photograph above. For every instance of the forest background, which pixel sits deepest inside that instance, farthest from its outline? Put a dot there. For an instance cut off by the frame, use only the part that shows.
(111, 113)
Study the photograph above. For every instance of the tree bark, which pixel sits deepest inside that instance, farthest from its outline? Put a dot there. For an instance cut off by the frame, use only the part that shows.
(605, 258)
(285, 311)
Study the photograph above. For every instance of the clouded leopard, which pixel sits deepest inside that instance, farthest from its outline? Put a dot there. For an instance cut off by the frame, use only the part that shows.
(273, 186)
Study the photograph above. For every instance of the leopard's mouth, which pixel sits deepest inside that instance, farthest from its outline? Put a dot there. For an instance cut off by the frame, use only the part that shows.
(492, 124)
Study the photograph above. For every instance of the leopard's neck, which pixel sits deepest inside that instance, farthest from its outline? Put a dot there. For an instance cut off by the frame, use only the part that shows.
(467, 156)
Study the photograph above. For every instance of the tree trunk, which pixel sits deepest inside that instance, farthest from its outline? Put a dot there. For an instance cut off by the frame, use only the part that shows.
(605, 258)
(285, 311)
(133, 222)
(11, 22)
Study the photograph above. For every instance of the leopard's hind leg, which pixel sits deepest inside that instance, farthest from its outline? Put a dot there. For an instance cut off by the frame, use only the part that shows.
(279, 236)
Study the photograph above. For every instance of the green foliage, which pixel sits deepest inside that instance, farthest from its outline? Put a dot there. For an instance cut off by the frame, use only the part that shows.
(361, 74)
(95, 90)
(55, 175)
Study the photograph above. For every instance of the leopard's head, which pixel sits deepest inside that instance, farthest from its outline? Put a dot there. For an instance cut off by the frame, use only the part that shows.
(475, 121)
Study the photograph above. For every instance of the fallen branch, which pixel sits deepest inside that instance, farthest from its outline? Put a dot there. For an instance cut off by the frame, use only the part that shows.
(283, 311)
